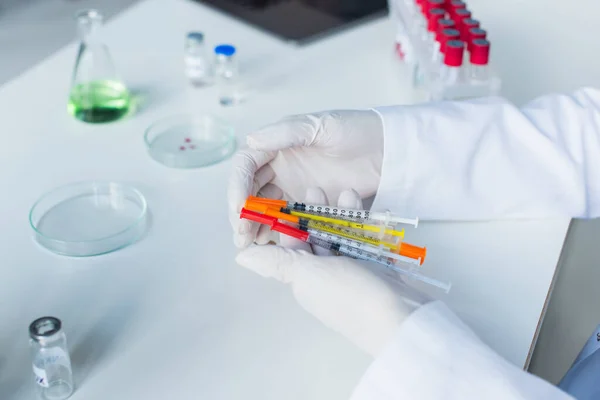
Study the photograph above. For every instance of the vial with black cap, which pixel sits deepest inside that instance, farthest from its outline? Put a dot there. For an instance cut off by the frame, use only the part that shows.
(51, 361)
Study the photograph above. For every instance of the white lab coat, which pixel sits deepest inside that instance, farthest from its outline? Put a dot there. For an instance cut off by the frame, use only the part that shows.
(486, 159)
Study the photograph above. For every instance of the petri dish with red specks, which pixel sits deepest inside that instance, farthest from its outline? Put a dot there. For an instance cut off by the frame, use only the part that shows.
(190, 141)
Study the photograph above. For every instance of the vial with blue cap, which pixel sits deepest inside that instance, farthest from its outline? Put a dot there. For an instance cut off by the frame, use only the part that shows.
(226, 74)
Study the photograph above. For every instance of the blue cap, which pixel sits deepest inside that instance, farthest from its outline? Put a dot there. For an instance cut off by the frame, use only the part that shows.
(225, 49)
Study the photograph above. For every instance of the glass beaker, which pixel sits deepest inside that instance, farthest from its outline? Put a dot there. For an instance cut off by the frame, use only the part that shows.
(97, 94)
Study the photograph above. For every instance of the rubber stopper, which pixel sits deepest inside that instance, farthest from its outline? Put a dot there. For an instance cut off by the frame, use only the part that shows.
(443, 24)
(480, 52)
(453, 55)
(431, 4)
(467, 24)
(460, 15)
(446, 36)
(455, 5)
(475, 33)
(435, 15)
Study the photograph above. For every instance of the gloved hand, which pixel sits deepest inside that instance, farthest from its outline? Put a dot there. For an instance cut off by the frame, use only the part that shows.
(362, 301)
(333, 150)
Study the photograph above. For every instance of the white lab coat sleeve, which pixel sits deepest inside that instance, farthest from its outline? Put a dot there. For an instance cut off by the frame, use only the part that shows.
(487, 159)
(435, 356)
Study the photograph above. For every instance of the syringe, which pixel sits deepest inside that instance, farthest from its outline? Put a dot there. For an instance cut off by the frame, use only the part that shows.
(330, 218)
(383, 259)
(337, 212)
(396, 246)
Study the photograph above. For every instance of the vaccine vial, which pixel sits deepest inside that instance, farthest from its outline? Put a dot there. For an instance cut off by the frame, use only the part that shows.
(450, 72)
(198, 67)
(226, 74)
(51, 361)
(480, 54)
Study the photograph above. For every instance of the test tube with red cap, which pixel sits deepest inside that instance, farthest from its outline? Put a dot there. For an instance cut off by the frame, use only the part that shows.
(475, 33)
(442, 24)
(435, 15)
(455, 5)
(460, 15)
(465, 26)
(428, 5)
(450, 72)
(479, 58)
(446, 36)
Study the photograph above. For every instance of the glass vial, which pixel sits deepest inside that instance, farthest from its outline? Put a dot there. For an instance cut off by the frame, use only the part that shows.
(226, 74)
(97, 94)
(51, 361)
(197, 65)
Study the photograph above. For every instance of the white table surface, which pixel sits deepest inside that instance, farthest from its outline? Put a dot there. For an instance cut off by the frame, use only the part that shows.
(173, 316)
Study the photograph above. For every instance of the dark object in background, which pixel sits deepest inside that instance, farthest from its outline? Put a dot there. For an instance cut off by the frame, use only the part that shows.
(301, 21)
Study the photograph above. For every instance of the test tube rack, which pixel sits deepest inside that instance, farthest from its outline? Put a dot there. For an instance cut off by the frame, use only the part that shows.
(446, 48)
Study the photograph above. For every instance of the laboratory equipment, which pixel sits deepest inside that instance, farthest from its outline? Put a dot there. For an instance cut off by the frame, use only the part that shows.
(479, 56)
(301, 21)
(390, 242)
(348, 248)
(338, 212)
(51, 361)
(198, 67)
(190, 141)
(226, 74)
(89, 218)
(426, 33)
(97, 93)
(378, 228)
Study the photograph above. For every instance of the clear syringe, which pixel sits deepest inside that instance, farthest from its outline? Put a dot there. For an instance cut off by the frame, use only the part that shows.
(378, 227)
(343, 249)
(337, 212)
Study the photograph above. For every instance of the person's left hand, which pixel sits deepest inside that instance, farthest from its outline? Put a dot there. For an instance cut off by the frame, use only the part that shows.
(364, 302)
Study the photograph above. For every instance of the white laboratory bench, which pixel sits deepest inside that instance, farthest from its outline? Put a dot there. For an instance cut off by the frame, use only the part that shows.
(173, 316)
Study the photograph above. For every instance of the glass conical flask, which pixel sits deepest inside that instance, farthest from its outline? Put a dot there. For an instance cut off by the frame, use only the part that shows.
(97, 94)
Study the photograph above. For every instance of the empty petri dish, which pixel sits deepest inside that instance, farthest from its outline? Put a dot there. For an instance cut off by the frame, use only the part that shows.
(89, 218)
(190, 141)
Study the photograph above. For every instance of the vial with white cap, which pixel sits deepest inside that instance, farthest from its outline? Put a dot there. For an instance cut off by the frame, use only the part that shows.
(198, 67)
(226, 74)
(51, 361)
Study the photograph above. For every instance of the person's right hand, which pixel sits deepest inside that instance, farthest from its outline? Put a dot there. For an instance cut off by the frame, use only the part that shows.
(332, 150)
(365, 302)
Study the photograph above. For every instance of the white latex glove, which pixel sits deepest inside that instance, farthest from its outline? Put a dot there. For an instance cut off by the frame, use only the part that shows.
(364, 302)
(333, 150)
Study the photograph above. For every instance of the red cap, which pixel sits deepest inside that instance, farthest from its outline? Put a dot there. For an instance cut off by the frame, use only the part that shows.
(453, 55)
(435, 15)
(469, 23)
(447, 35)
(443, 24)
(460, 14)
(480, 52)
(257, 217)
(475, 33)
(455, 5)
(274, 224)
(430, 4)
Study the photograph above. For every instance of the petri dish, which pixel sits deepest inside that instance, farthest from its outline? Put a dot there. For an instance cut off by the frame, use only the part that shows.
(89, 218)
(190, 141)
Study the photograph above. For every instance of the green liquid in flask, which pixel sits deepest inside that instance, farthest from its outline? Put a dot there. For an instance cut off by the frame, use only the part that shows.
(99, 101)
